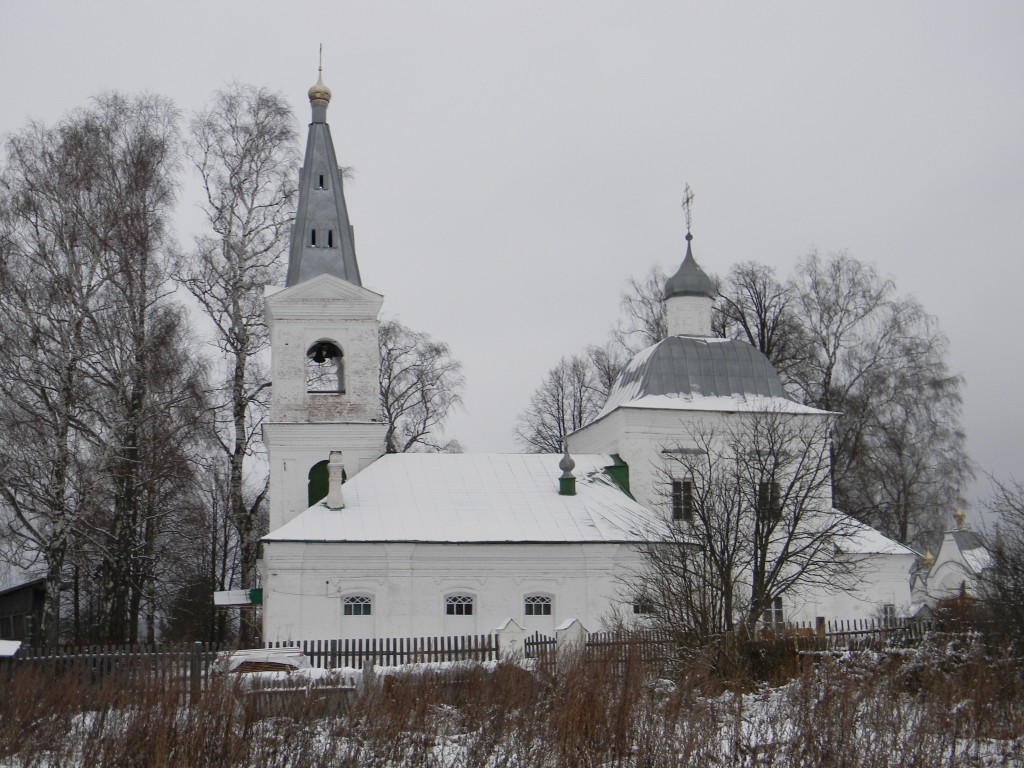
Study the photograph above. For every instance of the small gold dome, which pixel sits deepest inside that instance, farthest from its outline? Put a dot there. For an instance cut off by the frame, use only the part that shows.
(929, 559)
(961, 519)
(320, 92)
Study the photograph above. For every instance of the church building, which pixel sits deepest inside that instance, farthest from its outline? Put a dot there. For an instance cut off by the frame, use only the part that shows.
(364, 543)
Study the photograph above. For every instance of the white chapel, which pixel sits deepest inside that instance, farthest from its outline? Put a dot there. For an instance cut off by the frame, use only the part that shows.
(364, 543)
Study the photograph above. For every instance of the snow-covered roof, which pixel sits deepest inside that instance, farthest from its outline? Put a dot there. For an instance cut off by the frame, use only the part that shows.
(861, 539)
(419, 497)
(710, 374)
(977, 559)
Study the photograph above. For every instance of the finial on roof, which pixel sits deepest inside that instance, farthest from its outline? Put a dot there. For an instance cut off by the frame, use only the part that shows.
(929, 559)
(961, 519)
(567, 481)
(688, 209)
(690, 280)
(320, 94)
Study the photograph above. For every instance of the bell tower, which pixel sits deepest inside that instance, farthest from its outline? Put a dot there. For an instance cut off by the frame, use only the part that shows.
(325, 363)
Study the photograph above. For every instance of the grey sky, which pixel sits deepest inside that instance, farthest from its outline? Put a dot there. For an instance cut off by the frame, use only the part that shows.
(515, 162)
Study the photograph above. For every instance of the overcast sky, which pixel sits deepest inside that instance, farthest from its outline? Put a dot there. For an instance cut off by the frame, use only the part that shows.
(516, 162)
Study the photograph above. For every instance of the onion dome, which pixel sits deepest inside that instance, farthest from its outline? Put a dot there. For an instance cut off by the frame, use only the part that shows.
(690, 280)
(319, 94)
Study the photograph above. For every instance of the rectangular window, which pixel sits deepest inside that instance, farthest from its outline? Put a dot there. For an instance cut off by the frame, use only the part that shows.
(321, 184)
(459, 605)
(330, 238)
(358, 605)
(682, 500)
(773, 616)
(537, 605)
(889, 615)
(19, 627)
(5, 627)
(769, 502)
(312, 237)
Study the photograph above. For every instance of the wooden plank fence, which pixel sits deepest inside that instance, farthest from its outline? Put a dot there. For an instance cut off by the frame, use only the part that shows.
(192, 662)
(196, 661)
(393, 651)
(660, 645)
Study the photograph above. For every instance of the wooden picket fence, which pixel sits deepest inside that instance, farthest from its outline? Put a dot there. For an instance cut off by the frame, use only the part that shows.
(393, 651)
(618, 648)
(191, 662)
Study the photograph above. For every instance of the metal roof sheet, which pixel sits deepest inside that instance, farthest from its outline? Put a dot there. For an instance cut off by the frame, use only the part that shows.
(423, 497)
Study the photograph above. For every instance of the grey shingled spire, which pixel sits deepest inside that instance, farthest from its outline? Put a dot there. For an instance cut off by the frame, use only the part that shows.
(322, 241)
(690, 280)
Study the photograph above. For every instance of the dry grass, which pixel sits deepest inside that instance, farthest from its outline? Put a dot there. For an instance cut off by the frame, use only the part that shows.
(944, 704)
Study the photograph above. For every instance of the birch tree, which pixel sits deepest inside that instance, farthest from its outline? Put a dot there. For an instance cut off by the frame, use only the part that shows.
(51, 277)
(420, 384)
(243, 147)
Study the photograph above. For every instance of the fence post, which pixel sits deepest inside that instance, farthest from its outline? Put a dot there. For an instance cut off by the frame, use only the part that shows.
(195, 672)
(510, 639)
(570, 637)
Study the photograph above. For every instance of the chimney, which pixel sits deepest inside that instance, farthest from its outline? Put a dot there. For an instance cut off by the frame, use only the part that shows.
(334, 499)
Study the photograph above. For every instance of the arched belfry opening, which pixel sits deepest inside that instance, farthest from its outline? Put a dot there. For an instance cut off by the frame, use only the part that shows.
(325, 368)
(319, 483)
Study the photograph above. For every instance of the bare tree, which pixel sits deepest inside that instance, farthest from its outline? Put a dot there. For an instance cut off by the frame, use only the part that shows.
(754, 306)
(748, 521)
(567, 399)
(643, 312)
(1002, 584)
(898, 454)
(52, 274)
(244, 148)
(136, 144)
(420, 385)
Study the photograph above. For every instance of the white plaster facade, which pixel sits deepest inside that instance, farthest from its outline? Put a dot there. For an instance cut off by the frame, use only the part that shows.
(954, 570)
(304, 427)
(688, 315)
(421, 535)
(408, 584)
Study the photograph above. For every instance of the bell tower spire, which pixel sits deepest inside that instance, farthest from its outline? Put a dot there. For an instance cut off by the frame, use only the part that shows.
(325, 361)
(322, 237)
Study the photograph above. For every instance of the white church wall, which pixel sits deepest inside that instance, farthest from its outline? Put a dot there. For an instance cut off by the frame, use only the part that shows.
(306, 585)
(877, 581)
(298, 447)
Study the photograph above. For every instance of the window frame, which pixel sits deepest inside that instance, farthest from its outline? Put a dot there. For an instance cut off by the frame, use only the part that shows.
(360, 600)
(682, 500)
(538, 600)
(455, 604)
(769, 499)
(774, 615)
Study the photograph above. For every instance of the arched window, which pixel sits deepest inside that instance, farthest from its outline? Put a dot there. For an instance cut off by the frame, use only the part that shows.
(537, 605)
(458, 605)
(357, 616)
(459, 614)
(358, 605)
(325, 368)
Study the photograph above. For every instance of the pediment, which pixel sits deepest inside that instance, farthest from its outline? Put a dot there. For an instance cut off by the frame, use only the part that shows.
(320, 291)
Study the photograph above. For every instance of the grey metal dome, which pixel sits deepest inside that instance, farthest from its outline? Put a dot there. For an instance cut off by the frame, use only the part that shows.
(685, 366)
(690, 280)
